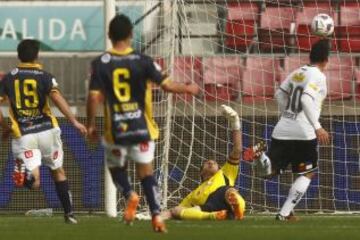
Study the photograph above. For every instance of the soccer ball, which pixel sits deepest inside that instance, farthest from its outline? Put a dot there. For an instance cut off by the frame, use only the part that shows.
(322, 25)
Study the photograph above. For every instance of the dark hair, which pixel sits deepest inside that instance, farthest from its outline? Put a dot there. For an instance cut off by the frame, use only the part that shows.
(28, 50)
(320, 51)
(120, 28)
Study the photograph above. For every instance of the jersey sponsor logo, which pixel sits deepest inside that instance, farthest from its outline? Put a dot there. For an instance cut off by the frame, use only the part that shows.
(127, 116)
(313, 86)
(123, 126)
(290, 115)
(139, 133)
(29, 154)
(309, 166)
(144, 146)
(14, 71)
(298, 77)
(126, 107)
(157, 67)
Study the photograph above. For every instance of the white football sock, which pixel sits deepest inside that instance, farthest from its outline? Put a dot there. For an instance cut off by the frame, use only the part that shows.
(265, 164)
(296, 192)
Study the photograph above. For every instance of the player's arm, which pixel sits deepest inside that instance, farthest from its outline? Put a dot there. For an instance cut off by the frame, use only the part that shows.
(156, 75)
(95, 98)
(64, 108)
(231, 167)
(307, 102)
(175, 87)
(235, 126)
(5, 128)
(282, 95)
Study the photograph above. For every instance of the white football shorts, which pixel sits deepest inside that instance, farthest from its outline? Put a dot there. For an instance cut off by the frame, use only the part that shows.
(117, 155)
(40, 148)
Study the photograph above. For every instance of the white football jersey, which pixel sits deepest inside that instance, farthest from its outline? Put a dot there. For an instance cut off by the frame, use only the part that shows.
(293, 124)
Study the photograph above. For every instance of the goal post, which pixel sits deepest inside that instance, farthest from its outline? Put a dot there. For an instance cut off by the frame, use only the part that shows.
(110, 191)
(239, 52)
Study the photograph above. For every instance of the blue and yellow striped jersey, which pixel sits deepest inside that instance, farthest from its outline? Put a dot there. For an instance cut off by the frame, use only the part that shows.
(27, 89)
(124, 79)
(226, 176)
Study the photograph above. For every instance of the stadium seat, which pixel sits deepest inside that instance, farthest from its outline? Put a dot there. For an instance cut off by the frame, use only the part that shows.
(222, 77)
(241, 25)
(304, 38)
(291, 63)
(339, 76)
(259, 78)
(275, 29)
(350, 27)
(187, 69)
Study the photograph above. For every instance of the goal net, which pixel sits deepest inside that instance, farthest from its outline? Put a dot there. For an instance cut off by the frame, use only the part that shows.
(239, 52)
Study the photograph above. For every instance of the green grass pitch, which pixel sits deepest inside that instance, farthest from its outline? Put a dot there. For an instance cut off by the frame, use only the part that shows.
(253, 227)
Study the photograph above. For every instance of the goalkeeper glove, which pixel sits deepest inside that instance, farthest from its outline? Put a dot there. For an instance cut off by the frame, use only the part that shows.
(232, 116)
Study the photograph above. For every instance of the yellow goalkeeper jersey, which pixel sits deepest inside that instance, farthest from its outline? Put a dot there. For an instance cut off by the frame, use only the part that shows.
(226, 176)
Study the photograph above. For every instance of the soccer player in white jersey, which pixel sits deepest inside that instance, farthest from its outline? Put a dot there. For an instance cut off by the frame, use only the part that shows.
(297, 133)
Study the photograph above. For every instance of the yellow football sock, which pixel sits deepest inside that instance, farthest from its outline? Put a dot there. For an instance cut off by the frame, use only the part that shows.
(195, 213)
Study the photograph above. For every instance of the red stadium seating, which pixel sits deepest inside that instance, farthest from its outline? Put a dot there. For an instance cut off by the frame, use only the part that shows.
(274, 31)
(339, 77)
(222, 76)
(259, 78)
(291, 63)
(240, 25)
(304, 38)
(350, 27)
(187, 70)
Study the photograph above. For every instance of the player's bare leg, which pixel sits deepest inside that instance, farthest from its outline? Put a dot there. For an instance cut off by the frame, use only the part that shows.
(63, 192)
(297, 190)
(150, 187)
(234, 199)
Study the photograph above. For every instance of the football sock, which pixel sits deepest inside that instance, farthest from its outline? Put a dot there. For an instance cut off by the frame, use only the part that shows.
(195, 213)
(63, 192)
(29, 181)
(296, 192)
(121, 180)
(265, 164)
(150, 187)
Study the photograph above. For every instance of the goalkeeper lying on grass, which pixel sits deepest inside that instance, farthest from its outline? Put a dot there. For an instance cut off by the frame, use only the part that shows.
(216, 198)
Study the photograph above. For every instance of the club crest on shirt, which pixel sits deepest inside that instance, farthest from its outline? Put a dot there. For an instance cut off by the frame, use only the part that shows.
(298, 77)
(106, 58)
